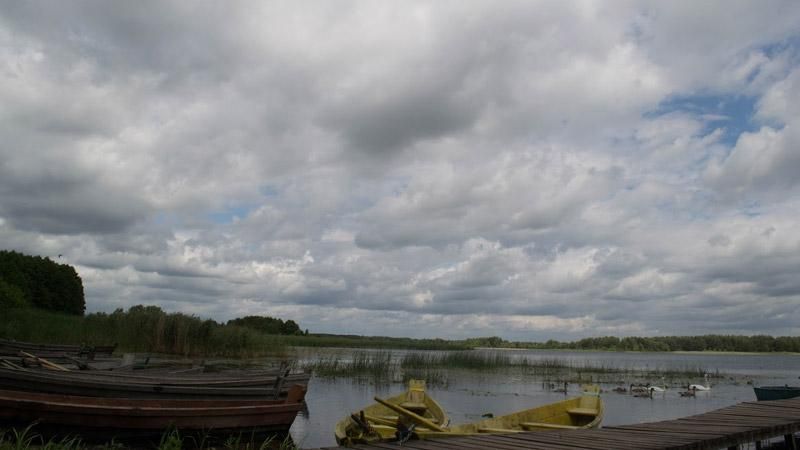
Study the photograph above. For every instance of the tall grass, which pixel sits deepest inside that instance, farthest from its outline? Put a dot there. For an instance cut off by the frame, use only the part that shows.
(432, 365)
(460, 359)
(140, 329)
(373, 364)
(27, 439)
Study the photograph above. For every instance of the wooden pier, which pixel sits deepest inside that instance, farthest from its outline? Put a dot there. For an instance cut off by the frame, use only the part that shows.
(726, 428)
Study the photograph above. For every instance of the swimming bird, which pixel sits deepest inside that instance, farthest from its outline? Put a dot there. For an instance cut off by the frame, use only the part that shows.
(659, 389)
(689, 393)
(701, 387)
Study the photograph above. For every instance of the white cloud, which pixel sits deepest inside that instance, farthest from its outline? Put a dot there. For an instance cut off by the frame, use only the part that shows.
(472, 169)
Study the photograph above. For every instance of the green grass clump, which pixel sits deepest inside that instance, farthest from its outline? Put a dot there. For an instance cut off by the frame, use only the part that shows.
(23, 439)
(376, 365)
(27, 439)
(459, 359)
(140, 329)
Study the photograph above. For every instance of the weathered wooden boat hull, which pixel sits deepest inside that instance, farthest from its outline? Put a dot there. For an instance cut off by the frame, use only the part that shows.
(585, 411)
(76, 384)
(208, 380)
(117, 415)
(765, 393)
(384, 420)
(16, 346)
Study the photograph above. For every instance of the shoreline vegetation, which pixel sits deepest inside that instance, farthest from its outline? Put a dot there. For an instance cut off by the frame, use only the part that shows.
(148, 329)
(43, 301)
(28, 438)
(433, 367)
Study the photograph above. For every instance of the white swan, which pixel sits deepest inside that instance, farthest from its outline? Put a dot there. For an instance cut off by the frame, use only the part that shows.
(659, 389)
(700, 387)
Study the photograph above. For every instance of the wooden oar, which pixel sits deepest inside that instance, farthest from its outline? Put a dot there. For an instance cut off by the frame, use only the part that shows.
(419, 420)
(381, 420)
(44, 362)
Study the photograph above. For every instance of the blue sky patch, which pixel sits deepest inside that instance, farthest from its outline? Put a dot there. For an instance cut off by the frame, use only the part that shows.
(227, 215)
(733, 113)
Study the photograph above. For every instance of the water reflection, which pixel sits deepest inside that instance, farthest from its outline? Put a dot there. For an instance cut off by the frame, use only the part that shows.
(467, 394)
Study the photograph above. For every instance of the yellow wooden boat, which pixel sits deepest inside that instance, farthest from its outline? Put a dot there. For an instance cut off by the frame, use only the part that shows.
(585, 411)
(380, 421)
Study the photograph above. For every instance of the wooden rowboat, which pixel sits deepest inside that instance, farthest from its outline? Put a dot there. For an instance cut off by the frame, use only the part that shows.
(99, 416)
(257, 379)
(12, 347)
(585, 411)
(76, 383)
(379, 421)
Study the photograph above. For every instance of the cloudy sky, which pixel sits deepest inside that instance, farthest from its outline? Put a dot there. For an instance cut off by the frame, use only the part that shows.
(530, 170)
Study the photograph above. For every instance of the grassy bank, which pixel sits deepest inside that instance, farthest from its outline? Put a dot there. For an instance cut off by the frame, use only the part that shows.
(140, 329)
(150, 329)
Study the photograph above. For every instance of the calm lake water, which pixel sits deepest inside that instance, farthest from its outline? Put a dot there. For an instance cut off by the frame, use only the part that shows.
(467, 394)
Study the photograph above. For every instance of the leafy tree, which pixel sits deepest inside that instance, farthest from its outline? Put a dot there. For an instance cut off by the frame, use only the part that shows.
(11, 296)
(43, 283)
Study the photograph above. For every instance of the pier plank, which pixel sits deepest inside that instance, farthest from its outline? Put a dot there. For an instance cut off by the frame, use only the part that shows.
(726, 427)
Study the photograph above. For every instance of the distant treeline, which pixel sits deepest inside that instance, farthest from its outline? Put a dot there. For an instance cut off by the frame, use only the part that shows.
(268, 325)
(379, 342)
(710, 342)
(43, 301)
(39, 282)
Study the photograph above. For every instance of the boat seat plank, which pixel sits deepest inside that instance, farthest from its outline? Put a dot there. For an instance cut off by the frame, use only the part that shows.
(414, 406)
(497, 430)
(528, 425)
(583, 411)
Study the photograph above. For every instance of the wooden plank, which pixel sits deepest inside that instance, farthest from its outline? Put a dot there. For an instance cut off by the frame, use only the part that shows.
(671, 438)
(572, 442)
(619, 439)
(679, 429)
(555, 441)
(645, 434)
(481, 441)
(517, 444)
(445, 444)
(726, 427)
(611, 442)
(711, 440)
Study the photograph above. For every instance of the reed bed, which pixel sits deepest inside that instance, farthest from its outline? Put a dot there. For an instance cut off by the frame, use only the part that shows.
(142, 329)
(372, 364)
(459, 359)
(433, 366)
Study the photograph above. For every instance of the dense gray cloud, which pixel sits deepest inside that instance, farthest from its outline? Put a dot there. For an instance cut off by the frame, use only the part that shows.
(524, 169)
